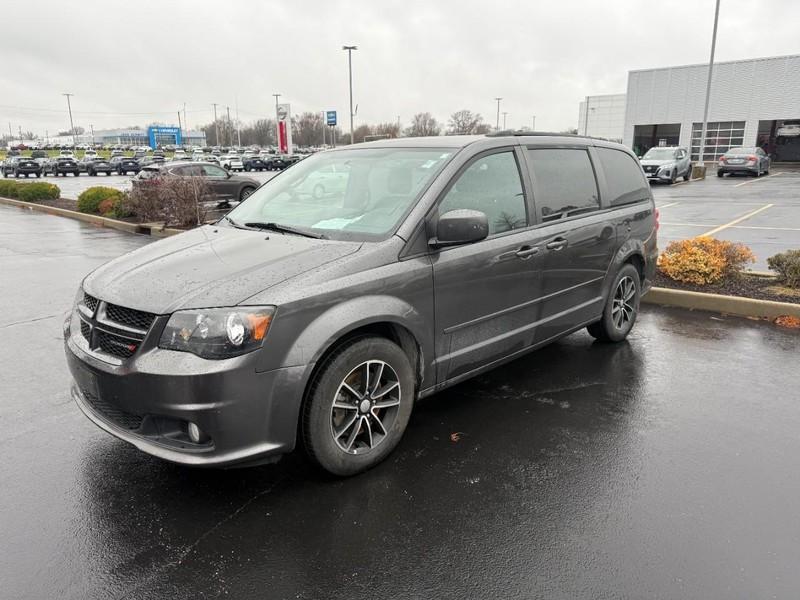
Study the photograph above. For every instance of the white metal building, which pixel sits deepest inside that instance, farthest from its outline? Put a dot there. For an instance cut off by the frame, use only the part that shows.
(754, 102)
(605, 117)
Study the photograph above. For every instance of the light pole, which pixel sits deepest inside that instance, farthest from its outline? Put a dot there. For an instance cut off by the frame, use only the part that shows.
(505, 114)
(533, 123)
(586, 118)
(216, 125)
(701, 156)
(497, 125)
(350, 73)
(71, 125)
(277, 123)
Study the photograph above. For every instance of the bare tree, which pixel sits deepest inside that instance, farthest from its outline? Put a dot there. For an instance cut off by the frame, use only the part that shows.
(390, 129)
(464, 122)
(423, 125)
(307, 129)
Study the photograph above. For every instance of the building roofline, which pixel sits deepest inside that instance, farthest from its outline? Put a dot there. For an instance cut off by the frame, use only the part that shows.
(717, 63)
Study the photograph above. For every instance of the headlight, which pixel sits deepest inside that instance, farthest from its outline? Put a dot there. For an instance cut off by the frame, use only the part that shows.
(217, 332)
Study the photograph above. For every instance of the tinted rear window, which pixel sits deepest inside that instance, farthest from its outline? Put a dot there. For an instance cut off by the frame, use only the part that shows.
(564, 182)
(624, 177)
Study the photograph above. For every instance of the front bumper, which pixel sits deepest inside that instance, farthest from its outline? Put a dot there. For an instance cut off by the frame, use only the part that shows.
(148, 400)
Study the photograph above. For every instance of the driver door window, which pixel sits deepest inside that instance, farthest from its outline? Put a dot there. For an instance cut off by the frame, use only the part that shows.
(491, 185)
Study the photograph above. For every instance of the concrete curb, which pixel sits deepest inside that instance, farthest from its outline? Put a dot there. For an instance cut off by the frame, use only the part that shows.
(147, 229)
(729, 305)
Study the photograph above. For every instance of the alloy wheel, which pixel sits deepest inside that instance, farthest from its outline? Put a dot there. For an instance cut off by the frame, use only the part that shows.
(622, 308)
(365, 406)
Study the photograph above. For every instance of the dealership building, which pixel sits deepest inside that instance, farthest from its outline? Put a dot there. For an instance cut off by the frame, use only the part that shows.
(754, 102)
(153, 136)
(603, 116)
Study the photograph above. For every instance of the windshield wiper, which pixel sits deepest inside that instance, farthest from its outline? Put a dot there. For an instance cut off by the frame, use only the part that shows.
(285, 229)
(234, 223)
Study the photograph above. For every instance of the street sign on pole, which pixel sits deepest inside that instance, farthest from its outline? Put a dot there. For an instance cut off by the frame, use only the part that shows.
(330, 118)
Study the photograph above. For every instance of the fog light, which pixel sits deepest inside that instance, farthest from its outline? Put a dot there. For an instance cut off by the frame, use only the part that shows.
(195, 433)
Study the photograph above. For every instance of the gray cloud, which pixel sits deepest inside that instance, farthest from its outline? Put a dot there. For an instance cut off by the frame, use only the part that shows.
(122, 60)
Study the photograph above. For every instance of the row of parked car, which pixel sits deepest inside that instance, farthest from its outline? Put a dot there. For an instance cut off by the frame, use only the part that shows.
(667, 163)
(92, 164)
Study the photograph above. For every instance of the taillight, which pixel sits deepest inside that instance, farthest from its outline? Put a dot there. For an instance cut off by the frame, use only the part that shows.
(751, 158)
(658, 218)
(723, 158)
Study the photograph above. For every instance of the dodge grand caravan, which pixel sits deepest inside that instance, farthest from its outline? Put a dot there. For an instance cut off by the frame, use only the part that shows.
(321, 319)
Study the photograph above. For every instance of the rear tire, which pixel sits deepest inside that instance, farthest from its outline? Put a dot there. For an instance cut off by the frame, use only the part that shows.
(622, 307)
(720, 174)
(358, 406)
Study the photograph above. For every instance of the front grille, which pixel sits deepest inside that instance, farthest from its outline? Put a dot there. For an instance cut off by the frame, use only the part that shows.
(86, 330)
(129, 317)
(114, 345)
(114, 330)
(90, 302)
(117, 416)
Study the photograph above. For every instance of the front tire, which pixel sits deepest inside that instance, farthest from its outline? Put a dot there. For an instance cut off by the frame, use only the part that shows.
(358, 406)
(688, 175)
(622, 307)
(246, 192)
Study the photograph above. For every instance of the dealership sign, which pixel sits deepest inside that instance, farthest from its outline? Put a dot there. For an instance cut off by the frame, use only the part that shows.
(161, 136)
(330, 118)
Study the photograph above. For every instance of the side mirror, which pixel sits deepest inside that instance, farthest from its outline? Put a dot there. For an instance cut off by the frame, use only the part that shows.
(639, 157)
(458, 227)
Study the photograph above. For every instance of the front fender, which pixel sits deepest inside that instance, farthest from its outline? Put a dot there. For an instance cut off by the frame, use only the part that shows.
(344, 317)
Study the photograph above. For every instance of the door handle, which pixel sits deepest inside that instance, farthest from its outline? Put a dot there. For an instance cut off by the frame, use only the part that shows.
(556, 244)
(526, 252)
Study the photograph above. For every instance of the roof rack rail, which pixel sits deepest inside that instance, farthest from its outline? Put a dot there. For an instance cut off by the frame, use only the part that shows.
(521, 132)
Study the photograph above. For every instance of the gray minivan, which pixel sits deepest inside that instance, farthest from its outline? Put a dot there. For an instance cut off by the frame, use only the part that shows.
(324, 317)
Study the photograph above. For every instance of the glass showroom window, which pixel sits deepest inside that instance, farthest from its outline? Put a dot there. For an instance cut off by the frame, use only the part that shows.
(720, 136)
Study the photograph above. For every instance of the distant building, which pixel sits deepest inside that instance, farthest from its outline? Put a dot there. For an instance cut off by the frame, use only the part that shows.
(605, 117)
(152, 136)
(754, 102)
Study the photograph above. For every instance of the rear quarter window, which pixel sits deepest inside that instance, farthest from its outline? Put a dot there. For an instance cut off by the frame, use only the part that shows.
(624, 178)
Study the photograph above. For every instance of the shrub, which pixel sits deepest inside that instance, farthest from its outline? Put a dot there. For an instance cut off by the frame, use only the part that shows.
(171, 200)
(9, 189)
(704, 260)
(89, 201)
(33, 192)
(787, 266)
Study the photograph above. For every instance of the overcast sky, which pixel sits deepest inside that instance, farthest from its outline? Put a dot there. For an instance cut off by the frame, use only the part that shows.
(137, 62)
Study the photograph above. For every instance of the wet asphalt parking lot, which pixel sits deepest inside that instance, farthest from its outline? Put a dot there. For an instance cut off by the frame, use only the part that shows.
(663, 467)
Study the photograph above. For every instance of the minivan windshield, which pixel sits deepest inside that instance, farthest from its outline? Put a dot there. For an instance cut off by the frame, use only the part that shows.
(659, 154)
(354, 194)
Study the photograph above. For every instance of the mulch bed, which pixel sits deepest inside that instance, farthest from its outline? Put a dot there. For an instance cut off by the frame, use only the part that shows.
(747, 286)
(60, 203)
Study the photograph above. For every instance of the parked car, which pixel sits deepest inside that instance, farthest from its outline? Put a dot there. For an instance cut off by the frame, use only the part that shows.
(322, 323)
(226, 186)
(277, 162)
(21, 165)
(748, 161)
(666, 164)
(117, 152)
(62, 165)
(98, 165)
(327, 181)
(67, 154)
(232, 162)
(125, 164)
(254, 163)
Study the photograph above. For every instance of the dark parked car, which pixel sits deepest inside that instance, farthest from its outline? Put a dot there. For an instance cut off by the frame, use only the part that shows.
(294, 320)
(125, 164)
(62, 165)
(14, 166)
(226, 186)
(254, 163)
(94, 165)
(747, 161)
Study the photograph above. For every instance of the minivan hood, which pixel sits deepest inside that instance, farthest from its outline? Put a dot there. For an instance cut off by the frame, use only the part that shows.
(207, 267)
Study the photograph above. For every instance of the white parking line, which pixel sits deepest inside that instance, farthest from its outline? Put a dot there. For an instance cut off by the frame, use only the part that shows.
(758, 179)
(732, 226)
(735, 221)
(667, 205)
(678, 183)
